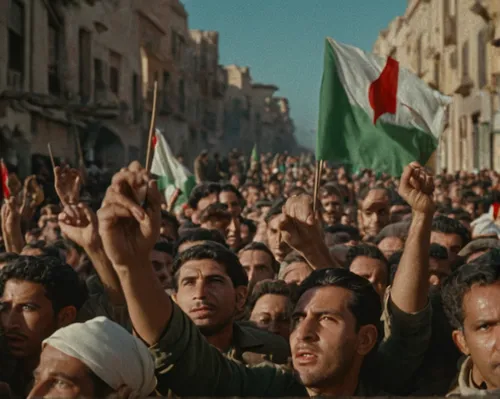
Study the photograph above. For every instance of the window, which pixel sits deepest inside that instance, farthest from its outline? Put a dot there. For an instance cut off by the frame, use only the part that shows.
(475, 141)
(114, 72)
(173, 37)
(135, 98)
(99, 83)
(15, 73)
(54, 57)
(182, 100)
(84, 62)
(481, 58)
(465, 59)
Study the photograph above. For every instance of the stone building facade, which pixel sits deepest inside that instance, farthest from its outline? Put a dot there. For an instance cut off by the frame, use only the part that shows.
(68, 74)
(84, 70)
(254, 116)
(454, 46)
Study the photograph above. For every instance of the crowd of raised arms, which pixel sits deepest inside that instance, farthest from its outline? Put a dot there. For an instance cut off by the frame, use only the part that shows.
(385, 286)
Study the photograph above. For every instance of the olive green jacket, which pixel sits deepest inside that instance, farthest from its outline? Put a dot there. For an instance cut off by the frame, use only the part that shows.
(188, 365)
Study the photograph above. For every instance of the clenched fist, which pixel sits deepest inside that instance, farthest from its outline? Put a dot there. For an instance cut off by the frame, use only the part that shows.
(417, 188)
(128, 231)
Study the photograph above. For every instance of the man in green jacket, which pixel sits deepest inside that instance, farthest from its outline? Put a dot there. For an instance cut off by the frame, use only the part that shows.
(335, 328)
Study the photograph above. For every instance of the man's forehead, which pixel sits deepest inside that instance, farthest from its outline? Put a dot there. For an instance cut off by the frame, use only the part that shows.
(324, 298)
(254, 255)
(21, 289)
(481, 301)
(376, 196)
(206, 267)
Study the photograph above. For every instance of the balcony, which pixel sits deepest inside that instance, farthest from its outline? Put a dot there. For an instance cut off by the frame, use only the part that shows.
(450, 30)
(465, 86)
(14, 80)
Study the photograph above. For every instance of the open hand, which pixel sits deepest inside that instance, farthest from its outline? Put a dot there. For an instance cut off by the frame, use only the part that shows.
(417, 188)
(79, 224)
(128, 231)
(67, 185)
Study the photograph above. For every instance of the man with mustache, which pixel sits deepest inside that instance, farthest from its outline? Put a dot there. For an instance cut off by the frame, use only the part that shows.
(335, 329)
(38, 295)
(211, 288)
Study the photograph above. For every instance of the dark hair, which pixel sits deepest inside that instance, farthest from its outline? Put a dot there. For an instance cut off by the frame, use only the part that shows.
(259, 246)
(342, 228)
(271, 287)
(217, 253)
(460, 283)
(164, 246)
(8, 257)
(230, 188)
(276, 209)
(369, 251)
(199, 234)
(60, 281)
(170, 219)
(446, 225)
(215, 211)
(201, 191)
(330, 189)
(365, 303)
(252, 227)
(438, 252)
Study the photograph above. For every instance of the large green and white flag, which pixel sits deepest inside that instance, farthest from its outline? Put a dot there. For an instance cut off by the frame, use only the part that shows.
(171, 173)
(375, 114)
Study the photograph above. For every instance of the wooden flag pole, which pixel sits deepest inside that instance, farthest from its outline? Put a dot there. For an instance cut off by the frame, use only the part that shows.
(151, 129)
(51, 156)
(317, 182)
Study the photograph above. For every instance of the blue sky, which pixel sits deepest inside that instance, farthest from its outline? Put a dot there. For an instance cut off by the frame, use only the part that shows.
(282, 41)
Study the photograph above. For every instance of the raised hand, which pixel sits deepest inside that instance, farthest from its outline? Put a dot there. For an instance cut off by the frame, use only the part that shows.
(299, 227)
(128, 231)
(79, 224)
(67, 185)
(11, 226)
(417, 188)
(33, 196)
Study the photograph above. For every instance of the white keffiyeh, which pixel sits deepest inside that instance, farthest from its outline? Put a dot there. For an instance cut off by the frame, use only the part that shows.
(112, 353)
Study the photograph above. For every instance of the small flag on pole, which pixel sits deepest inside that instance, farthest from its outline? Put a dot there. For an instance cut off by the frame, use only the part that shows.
(5, 180)
(255, 154)
(375, 114)
(172, 174)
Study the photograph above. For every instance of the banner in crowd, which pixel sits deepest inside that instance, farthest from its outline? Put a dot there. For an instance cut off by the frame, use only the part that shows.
(375, 114)
(171, 173)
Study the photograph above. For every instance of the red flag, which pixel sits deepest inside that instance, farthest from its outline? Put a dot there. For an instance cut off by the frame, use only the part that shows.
(154, 140)
(5, 180)
(383, 91)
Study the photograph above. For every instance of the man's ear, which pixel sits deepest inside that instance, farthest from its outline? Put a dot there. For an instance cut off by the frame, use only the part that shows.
(460, 341)
(367, 339)
(66, 316)
(241, 293)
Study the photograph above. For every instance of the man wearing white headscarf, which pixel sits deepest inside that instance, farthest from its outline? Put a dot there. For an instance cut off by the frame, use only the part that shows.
(94, 359)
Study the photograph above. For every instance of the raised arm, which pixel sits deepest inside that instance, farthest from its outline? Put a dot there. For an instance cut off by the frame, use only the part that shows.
(185, 362)
(411, 284)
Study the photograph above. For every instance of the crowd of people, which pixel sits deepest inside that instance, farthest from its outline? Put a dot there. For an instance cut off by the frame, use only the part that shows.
(382, 286)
